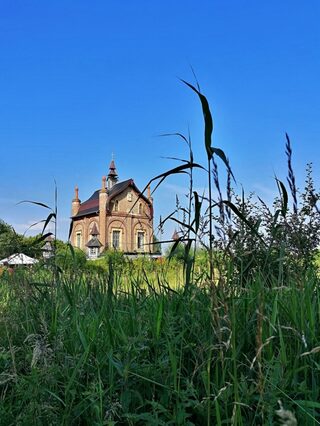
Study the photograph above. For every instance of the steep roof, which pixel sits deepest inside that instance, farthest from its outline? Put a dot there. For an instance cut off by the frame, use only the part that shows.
(94, 230)
(91, 205)
(94, 242)
(112, 170)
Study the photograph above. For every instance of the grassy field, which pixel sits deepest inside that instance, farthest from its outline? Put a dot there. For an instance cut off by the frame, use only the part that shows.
(120, 347)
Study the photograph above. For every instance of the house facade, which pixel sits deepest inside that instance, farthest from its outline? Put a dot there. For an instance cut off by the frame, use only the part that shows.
(116, 216)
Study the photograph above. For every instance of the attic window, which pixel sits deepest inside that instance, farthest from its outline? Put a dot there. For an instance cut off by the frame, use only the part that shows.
(140, 208)
(116, 206)
(129, 196)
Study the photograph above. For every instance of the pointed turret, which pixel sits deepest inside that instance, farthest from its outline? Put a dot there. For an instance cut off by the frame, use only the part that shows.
(113, 175)
(94, 244)
(94, 231)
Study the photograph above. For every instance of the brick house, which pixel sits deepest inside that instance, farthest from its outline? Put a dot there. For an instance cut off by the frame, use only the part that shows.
(116, 216)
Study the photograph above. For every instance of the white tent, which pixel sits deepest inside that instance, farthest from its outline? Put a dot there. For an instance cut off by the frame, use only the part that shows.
(18, 259)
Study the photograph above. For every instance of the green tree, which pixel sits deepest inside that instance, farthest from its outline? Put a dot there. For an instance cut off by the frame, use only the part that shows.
(10, 241)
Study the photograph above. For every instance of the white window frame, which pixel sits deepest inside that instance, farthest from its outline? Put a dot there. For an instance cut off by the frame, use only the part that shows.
(93, 252)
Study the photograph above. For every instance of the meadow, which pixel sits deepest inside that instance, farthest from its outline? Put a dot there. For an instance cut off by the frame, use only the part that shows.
(124, 347)
(223, 330)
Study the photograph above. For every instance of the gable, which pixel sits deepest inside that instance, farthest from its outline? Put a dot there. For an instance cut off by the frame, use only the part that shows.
(129, 201)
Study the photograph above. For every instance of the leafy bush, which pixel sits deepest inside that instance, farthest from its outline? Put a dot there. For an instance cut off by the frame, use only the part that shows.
(70, 259)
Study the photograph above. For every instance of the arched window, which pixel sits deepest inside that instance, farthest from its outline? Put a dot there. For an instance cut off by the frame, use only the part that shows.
(140, 209)
(116, 206)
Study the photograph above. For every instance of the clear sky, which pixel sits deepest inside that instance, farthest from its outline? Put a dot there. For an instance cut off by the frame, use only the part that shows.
(80, 80)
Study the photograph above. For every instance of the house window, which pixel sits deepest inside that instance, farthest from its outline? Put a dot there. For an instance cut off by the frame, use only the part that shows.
(78, 239)
(140, 240)
(129, 196)
(116, 206)
(116, 239)
(140, 208)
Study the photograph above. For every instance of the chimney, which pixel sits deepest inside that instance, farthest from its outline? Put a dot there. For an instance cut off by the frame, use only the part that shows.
(75, 202)
(149, 194)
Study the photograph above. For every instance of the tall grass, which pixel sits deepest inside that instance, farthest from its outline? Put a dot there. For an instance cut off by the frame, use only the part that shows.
(80, 354)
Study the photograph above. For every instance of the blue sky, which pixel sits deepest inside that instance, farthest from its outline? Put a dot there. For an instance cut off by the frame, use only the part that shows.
(81, 80)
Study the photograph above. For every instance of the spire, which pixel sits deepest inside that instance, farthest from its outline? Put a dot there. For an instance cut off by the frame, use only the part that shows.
(113, 175)
(112, 169)
(94, 231)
